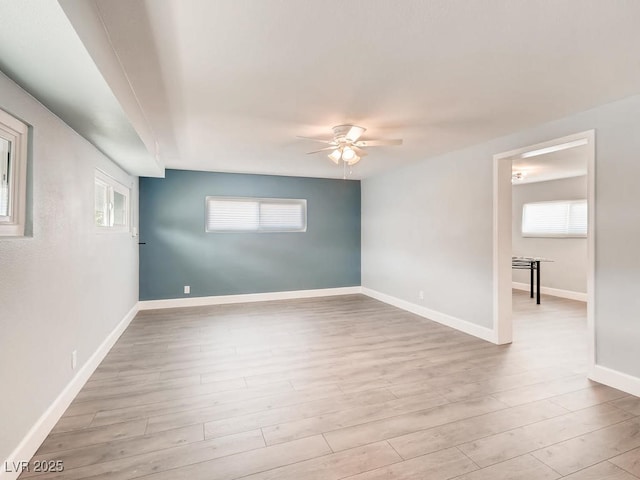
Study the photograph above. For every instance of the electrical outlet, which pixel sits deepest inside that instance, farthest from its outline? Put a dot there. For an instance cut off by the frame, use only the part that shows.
(74, 359)
(187, 289)
(421, 295)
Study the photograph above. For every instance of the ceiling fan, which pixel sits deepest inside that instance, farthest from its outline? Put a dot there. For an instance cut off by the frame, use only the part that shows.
(346, 145)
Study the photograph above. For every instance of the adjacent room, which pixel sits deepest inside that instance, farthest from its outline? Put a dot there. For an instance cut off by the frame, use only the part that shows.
(550, 251)
(292, 239)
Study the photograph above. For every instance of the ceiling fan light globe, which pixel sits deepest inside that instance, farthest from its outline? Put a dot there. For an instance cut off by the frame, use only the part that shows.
(335, 156)
(355, 160)
(348, 154)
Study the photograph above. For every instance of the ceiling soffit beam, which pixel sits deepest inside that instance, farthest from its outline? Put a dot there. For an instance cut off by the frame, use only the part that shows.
(86, 20)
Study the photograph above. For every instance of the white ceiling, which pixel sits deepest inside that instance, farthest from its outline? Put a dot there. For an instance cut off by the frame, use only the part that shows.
(226, 85)
(571, 162)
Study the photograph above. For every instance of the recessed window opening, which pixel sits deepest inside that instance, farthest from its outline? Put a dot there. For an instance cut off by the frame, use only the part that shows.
(111, 203)
(261, 215)
(560, 219)
(13, 175)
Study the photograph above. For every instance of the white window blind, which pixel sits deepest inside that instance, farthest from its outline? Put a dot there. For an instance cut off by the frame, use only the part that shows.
(567, 218)
(577, 224)
(227, 214)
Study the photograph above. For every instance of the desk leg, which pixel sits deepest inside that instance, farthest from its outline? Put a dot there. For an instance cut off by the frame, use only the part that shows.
(538, 283)
(531, 264)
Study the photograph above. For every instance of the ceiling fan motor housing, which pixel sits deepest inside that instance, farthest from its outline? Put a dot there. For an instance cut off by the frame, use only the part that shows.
(340, 133)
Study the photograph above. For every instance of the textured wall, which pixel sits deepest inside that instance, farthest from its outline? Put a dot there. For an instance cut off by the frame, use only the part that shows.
(179, 252)
(67, 286)
(568, 271)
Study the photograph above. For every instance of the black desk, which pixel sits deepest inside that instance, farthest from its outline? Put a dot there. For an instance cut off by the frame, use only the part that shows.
(532, 264)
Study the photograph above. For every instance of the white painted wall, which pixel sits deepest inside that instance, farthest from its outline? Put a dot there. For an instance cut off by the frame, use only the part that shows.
(429, 226)
(568, 271)
(66, 287)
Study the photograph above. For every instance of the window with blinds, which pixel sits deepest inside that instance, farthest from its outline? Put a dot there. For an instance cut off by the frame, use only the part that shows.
(231, 214)
(562, 219)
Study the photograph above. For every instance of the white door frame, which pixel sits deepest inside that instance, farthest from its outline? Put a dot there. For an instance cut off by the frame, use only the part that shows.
(502, 218)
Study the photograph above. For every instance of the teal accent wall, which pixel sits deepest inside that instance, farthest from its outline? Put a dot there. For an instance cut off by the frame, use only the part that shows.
(178, 251)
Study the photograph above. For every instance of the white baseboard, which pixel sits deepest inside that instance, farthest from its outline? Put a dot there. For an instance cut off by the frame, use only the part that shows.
(246, 298)
(43, 426)
(615, 379)
(463, 325)
(556, 292)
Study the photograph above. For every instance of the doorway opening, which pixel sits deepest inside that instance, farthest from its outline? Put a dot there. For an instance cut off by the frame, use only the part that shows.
(539, 234)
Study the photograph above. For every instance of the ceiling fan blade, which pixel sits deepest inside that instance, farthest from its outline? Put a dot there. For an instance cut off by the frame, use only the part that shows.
(321, 140)
(378, 143)
(354, 133)
(321, 150)
(360, 152)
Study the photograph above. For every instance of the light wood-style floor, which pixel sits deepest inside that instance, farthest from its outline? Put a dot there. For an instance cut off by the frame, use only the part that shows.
(346, 387)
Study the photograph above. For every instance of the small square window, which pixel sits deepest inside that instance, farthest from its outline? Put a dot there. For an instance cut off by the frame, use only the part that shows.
(13, 175)
(111, 203)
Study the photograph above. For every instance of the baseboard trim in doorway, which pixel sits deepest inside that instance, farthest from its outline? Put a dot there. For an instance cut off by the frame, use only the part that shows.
(483, 333)
(43, 426)
(615, 379)
(246, 298)
(556, 292)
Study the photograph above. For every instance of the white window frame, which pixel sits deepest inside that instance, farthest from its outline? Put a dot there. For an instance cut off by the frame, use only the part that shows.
(565, 234)
(289, 201)
(113, 186)
(16, 132)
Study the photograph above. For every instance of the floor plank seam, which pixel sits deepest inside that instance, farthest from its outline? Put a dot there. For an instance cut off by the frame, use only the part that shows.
(467, 456)
(548, 466)
(327, 442)
(588, 433)
(393, 448)
(622, 468)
